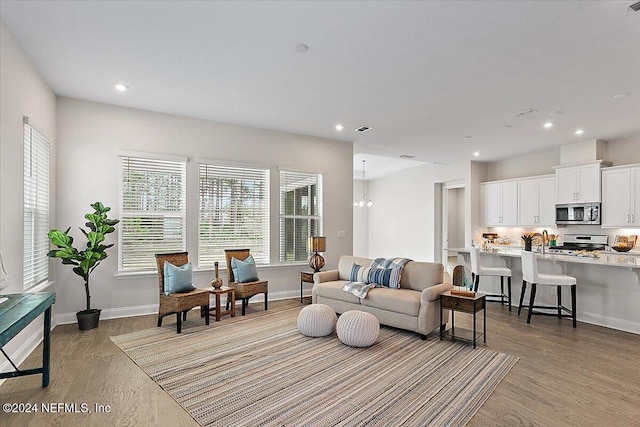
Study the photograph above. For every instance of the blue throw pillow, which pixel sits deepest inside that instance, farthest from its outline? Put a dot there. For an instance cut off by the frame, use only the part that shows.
(178, 279)
(244, 271)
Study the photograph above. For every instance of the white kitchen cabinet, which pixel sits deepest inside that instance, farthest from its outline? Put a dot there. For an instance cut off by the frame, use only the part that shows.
(500, 203)
(578, 183)
(536, 204)
(621, 196)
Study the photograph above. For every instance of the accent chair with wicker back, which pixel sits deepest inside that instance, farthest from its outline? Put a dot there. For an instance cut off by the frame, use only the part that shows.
(244, 291)
(179, 303)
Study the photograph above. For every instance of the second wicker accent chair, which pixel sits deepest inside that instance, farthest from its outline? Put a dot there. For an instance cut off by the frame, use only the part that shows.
(244, 291)
(179, 303)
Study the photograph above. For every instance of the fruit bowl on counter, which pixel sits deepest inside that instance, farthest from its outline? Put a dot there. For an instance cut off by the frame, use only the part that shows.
(621, 248)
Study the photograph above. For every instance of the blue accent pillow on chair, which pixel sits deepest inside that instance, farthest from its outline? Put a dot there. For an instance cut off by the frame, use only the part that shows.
(244, 271)
(178, 279)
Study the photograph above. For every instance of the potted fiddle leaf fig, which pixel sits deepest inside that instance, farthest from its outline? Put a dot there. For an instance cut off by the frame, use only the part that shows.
(86, 260)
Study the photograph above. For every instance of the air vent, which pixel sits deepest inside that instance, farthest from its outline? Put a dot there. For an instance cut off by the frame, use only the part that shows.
(363, 129)
(524, 112)
(407, 156)
(635, 6)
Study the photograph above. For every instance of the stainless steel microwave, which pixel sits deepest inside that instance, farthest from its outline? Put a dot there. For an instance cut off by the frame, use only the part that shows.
(578, 213)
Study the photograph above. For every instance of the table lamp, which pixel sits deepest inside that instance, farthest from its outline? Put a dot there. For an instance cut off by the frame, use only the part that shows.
(316, 244)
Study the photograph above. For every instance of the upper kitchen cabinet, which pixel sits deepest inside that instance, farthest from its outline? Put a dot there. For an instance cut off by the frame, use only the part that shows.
(621, 196)
(500, 203)
(578, 183)
(536, 204)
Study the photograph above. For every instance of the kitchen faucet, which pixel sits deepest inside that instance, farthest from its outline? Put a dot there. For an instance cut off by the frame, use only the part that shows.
(544, 235)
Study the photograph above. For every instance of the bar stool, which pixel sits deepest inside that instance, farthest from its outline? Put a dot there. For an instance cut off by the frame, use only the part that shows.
(530, 274)
(478, 270)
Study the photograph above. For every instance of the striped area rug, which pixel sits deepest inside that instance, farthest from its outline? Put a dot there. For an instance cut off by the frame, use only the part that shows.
(262, 371)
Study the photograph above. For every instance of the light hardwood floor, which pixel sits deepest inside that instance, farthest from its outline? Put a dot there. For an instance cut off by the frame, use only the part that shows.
(585, 376)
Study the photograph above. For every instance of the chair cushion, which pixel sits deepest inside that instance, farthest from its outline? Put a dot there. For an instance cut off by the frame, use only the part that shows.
(178, 279)
(556, 279)
(495, 271)
(244, 271)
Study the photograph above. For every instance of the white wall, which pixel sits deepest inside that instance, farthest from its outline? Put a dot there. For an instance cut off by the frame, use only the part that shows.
(23, 92)
(89, 139)
(360, 221)
(406, 214)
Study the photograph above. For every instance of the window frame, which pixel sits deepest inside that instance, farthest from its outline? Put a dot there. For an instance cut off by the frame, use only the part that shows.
(283, 216)
(180, 165)
(36, 198)
(231, 170)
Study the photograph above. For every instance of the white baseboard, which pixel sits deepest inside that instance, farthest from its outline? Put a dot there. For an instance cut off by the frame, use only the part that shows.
(110, 313)
(609, 322)
(30, 344)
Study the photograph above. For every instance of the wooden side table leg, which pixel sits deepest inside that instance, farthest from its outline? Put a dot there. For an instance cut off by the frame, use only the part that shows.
(217, 307)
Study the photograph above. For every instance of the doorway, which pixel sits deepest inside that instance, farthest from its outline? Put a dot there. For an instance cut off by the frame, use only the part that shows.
(453, 220)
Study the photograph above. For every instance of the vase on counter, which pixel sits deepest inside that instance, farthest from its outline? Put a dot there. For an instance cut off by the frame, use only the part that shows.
(527, 246)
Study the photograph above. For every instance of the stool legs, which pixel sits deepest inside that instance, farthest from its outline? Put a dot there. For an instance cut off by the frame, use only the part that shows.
(524, 289)
(573, 305)
(531, 299)
(509, 290)
(559, 302)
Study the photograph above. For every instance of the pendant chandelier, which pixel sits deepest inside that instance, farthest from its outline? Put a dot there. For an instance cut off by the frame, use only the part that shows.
(363, 198)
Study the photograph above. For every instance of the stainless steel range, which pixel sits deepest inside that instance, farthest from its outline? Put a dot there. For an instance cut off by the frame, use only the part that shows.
(580, 242)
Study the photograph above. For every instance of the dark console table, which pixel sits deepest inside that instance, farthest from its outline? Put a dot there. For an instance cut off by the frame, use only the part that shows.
(18, 312)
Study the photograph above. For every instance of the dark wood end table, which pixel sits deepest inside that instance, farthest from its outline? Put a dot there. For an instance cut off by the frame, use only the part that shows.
(464, 304)
(305, 277)
(218, 312)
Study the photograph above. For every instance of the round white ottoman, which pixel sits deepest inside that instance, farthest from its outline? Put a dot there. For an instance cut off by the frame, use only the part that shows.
(316, 320)
(358, 329)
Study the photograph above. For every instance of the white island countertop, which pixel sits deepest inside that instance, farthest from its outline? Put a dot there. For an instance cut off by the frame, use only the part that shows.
(603, 258)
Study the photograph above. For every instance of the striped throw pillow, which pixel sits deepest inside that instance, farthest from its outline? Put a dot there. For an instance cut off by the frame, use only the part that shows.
(389, 277)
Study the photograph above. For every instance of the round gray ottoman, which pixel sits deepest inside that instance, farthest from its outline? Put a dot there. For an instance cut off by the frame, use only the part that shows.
(316, 320)
(358, 329)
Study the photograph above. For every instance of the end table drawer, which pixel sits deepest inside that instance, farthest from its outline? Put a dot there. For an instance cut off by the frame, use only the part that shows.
(461, 304)
(306, 277)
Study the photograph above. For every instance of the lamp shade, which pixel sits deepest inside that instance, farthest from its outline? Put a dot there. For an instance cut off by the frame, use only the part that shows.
(317, 244)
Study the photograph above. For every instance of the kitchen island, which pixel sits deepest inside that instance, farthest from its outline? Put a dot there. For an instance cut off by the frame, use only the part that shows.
(608, 291)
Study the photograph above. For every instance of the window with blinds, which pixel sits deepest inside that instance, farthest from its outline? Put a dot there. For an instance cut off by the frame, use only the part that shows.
(300, 213)
(152, 211)
(36, 207)
(233, 213)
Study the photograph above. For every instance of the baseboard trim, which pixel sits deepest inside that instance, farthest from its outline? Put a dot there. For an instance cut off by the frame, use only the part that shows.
(30, 344)
(609, 322)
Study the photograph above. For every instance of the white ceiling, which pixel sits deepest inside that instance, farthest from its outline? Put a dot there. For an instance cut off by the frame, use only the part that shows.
(422, 74)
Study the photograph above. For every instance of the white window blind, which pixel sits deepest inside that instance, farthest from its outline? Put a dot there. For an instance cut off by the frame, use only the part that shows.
(300, 213)
(36, 207)
(234, 212)
(153, 211)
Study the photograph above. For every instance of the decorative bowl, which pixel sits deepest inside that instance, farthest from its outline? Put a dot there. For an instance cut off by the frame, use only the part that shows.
(621, 248)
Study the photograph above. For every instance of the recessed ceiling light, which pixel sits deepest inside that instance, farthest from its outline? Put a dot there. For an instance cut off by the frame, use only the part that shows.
(621, 95)
(467, 137)
(476, 154)
(301, 48)
(339, 127)
(505, 127)
(548, 125)
(579, 132)
(121, 87)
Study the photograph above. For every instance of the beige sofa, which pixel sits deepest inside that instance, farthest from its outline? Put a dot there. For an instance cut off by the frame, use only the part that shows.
(414, 307)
